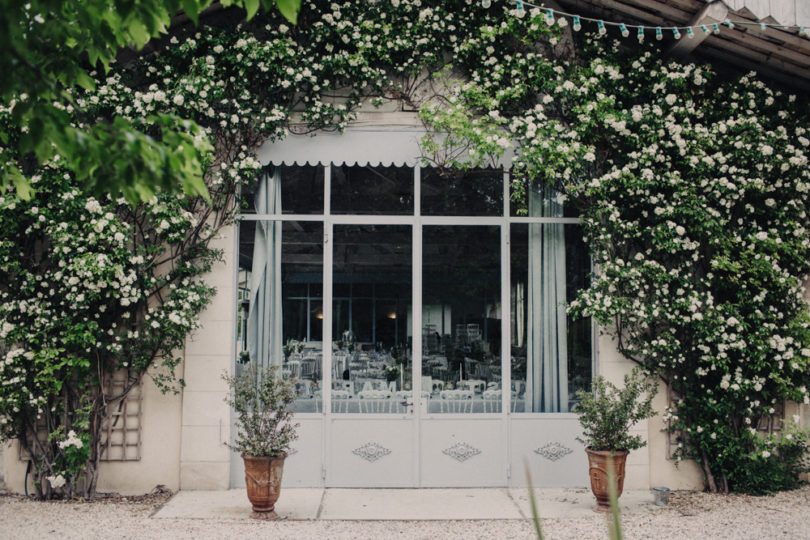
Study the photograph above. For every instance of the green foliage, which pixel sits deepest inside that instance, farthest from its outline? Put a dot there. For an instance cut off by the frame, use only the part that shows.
(48, 50)
(89, 288)
(607, 413)
(391, 373)
(262, 400)
(776, 462)
(70, 462)
(288, 8)
(696, 217)
(692, 188)
(292, 346)
(615, 522)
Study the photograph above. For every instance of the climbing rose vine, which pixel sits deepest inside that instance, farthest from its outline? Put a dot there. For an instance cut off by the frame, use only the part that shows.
(691, 188)
(699, 227)
(693, 193)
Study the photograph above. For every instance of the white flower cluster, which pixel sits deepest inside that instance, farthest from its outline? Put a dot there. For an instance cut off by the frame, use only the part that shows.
(56, 481)
(71, 440)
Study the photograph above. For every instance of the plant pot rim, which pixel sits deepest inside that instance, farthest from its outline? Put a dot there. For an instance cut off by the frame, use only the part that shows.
(282, 455)
(609, 452)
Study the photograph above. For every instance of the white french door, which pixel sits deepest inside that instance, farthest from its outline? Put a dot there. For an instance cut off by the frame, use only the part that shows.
(433, 421)
(371, 420)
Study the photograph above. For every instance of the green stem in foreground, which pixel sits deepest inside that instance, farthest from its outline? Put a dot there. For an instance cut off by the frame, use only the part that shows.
(533, 504)
(615, 523)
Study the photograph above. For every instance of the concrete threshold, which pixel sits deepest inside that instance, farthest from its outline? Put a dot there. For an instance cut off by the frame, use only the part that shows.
(427, 504)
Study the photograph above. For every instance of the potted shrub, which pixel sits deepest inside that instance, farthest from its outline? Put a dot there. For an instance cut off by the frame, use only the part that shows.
(262, 401)
(606, 414)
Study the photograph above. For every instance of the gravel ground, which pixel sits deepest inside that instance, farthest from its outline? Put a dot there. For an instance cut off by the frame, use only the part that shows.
(690, 515)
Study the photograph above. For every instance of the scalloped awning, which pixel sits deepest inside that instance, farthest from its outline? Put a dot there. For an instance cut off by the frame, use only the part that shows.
(373, 146)
(355, 146)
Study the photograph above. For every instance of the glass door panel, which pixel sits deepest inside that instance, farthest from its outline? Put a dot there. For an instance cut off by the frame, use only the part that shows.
(280, 288)
(358, 189)
(461, 318)
(294, 190)
(551, 351)
(462, 193)
(371, 358)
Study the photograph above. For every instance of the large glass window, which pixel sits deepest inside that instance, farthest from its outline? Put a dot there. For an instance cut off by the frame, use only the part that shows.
(291, 190)
(281, 290)
(526, 200)
(469, 193)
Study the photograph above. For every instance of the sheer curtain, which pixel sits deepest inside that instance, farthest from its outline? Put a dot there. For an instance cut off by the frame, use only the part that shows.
(519, 314)
(264, 329)
(546, 325)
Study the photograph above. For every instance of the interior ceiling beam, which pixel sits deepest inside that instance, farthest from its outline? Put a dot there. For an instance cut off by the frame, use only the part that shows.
(715, 12)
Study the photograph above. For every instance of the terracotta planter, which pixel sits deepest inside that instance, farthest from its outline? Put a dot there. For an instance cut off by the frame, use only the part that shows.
(263, 480)
(598, 472)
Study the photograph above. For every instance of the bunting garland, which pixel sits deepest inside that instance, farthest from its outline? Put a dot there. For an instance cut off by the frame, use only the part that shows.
(601, 24)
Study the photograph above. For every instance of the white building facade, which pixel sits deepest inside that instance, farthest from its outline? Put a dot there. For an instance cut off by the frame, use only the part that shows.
(423, 314)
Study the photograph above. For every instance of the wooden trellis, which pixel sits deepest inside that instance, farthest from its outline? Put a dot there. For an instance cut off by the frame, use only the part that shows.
(121, 430)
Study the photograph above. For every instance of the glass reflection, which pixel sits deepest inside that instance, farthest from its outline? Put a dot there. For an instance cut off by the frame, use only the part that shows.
(296, 190)
(461, 319)
(551, 352)
(280, 317)
(280, 309)
(467, 193)
(525, 197)
(372, 190)
(371, 314)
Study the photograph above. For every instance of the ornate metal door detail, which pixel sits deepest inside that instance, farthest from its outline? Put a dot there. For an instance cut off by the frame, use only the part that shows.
(371, 452)
(461, 452)
(553, 451)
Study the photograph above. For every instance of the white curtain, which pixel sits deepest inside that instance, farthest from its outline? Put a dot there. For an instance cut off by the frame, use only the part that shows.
(546, 326)
(519, 314)
(264, 335)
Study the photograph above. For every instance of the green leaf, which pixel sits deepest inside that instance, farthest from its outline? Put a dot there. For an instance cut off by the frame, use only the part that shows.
(192, 9)
(85, 81)
(21, 183)
(290, 9)
(251, 6)
(538, 529)
(195, 185)
(139, 33)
